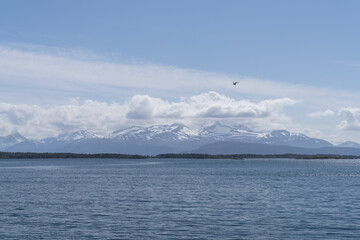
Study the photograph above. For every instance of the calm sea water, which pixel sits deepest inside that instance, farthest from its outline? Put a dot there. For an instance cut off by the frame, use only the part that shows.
(179, 199)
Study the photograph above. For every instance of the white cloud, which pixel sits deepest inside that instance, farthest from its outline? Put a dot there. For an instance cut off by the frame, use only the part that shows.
(101, 117)
(352, 121)
(207, 105)
(78, 72)
(36, 121)
(319, 114)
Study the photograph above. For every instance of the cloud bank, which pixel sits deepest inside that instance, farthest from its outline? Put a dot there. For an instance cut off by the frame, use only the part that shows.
(352, 121)
(101, 117)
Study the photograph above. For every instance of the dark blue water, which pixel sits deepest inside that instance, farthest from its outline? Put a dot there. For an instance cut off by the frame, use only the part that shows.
(179, 199)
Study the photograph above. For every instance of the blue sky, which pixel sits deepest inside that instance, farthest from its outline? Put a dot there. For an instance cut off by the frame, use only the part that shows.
(301, 57)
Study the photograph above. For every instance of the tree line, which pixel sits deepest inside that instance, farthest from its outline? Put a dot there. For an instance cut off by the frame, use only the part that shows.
(32, 155)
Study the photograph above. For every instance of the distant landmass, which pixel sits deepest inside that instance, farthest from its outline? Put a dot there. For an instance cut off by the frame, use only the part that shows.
(178, 138)
(349, 144)
(259, 148)
(31, 155)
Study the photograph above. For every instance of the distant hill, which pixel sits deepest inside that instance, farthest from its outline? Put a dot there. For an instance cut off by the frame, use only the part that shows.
(349, 144)
(231, 147)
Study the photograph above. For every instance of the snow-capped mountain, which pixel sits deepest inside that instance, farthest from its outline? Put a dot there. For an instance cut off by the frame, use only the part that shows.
(162, 133)
(76, 136)
(10, 140)
(162, 139)
(221, 132)
(215, 132)
(283, 137)
(71, 137)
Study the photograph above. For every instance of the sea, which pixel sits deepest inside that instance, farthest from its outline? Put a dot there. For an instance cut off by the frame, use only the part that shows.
(179, 199)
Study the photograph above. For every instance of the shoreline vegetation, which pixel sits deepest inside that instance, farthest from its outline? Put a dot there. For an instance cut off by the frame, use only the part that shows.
(32, 155)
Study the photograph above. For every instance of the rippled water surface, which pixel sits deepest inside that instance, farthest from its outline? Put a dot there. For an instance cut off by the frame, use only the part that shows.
(179, 199)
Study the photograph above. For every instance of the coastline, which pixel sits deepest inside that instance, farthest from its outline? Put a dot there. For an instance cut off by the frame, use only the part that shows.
(32, 155)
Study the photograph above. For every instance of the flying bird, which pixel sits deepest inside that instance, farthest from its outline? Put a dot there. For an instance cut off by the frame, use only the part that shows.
(234, 83)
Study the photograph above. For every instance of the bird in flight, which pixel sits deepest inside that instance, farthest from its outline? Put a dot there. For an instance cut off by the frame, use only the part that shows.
(234, 83)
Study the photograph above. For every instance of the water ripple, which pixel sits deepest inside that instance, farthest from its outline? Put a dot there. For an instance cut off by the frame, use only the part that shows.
(179, 199)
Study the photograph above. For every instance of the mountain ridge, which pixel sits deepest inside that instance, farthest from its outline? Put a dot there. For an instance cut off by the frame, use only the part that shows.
(157, 139)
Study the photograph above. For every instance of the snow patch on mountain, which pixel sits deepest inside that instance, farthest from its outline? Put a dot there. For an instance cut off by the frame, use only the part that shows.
(171, 132)
(76, 136)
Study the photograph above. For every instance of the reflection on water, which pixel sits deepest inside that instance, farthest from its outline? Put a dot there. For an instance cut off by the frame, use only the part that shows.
(179, 199)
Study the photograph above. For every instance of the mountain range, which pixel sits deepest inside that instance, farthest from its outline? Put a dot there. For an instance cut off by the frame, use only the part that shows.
(177, 138)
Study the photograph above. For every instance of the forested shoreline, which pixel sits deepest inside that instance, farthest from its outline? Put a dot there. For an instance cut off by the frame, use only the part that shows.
(32, 155)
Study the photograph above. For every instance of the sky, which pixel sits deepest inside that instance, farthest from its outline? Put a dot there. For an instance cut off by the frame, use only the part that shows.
(106, 65)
